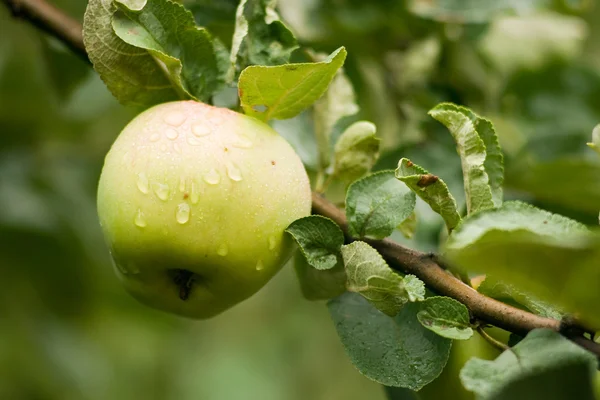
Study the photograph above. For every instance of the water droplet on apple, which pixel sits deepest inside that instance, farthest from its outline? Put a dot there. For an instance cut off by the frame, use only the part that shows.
(161, 190)
(234, 172)
(171, 134)
(139, 219)
(212, 177)
(195, 193)
(222, 250)
(194, 141)
(272, 242)
(200, 129)
(259, 265)
(142, 182)
(242, 142)
(175, 118)
(155, 137)
(183, 213)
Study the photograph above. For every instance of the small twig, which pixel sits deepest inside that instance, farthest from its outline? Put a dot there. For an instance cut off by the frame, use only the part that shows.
(495, 343)
(483, 308)
(51, 20)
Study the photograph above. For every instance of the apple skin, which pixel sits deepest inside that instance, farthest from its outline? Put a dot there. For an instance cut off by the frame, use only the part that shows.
(193, 201)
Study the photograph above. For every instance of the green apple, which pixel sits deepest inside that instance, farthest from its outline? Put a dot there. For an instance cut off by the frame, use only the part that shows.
(193, 201)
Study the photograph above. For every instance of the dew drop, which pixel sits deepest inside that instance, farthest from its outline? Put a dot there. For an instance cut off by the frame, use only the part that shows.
(161, 190)
(181, 184)
(234, 172)
(200, 129)
(259, 265)
(183, 213)
(194, 141)
(212, 177)
(272, 242)
(195, 194)
(175, 118)
(222, 250)
(242, 142)
(142, 182)
(139, 219)
(171, 134)
(155, 137)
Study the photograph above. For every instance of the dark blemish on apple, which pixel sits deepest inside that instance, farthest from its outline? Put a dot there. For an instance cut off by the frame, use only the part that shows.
(272, 162)
(184, 279)
(226, 149)
(185, 196)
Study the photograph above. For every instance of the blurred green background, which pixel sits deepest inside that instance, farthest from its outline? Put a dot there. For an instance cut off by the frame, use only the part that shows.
(69, 331)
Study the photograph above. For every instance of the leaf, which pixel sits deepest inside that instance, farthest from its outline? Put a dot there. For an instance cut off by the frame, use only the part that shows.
(550, 256)
(507, 293)
(446, 317)
(544, 365)
(463, 125)
(337, 103)
(169, 33)
(397, 351)
(431, 189)
(319, 239)
(319, 284)
(370, 276)
(260, 38)
(376, 204)
(494, 160)
(408, 226)
(283, 91)
(595, 143)
(469, 11)
(356, 151)
(415, 288)
(568, 182)
(130, 73)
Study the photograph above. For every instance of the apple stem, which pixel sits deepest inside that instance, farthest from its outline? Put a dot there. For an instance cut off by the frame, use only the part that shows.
(184, 279)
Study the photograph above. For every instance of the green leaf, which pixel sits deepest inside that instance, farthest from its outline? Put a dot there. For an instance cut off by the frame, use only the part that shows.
(494, 160)
(408, 226)
(260, 37)
(551, 256)
(283, 91)
(169, 33)
(431, 189)
(544, 365)
(397, 351)
(370, 276)
(446, 317)
(463, 124)
(415, 288)
(319, 284)
(470, 11)
(337, 103)
(376, 204)
(568, 182)
(319, 239)
(356, 151)
(507, 293)
(595, 143)
(132, 74)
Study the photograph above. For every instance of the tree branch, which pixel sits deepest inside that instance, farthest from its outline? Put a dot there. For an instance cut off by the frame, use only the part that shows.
(52, 21)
